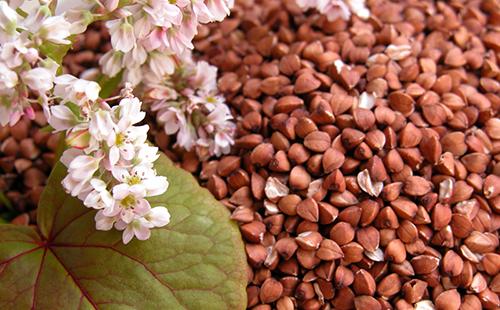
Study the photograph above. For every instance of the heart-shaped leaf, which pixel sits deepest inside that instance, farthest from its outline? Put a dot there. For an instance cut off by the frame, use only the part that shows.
(195, 262)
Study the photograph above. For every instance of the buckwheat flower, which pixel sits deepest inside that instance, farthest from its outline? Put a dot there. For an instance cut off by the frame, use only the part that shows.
(122, 35)
(161, 64)
(136, 57)
(111, 63)
(61, 118)
(8, 21)
(173, 120)
(103, 222)
(220, 8)
(99, 198)
(146, 156)
(140, 228)
(101, 125)
(39, 79)
(129, 112)
(128, 205)
(202, 12)
(55, 29)
(141, 180)
(163, 13)
(8, 79)
(80, 172)
(334, 9)
(359, 8)
(78, 91)
(158, 216)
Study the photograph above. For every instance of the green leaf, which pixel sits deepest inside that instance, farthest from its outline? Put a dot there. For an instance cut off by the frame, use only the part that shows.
(109, 84)
(195, 262)
(55, 51)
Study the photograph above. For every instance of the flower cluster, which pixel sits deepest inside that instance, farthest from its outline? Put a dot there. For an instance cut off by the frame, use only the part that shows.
(26, 29)
(187, 103)
(148, 33)
(334, 9)
(110, 164)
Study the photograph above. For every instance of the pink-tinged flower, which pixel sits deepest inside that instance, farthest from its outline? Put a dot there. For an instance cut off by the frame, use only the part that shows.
(122, 35)
(140, 227)
(201, 11)
(186, 138)
(173, 120)
(179, 41)
(136, 57)
(142, 27)
(103, 222)
(155, 39)
(220, 8)
(334, 9)
(163, 14)
(223, 141)
(127, 205)
(161, 64)
(70, 154)
(38, 79)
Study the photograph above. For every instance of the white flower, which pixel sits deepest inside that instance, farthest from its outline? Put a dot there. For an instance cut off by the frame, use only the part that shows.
(140, 227)
(99, 198)
(101, 125)
(141, 181)
(8, 18)
(111, 63)
(55, 29)
(80, 172)
(130, 112)
(122, 35)
(12, 53)
(8, 78)
(38, 79)
(146, 155)
(76, 90)
(128, 206)
(220, 8)
(158, 216)
(61, 118)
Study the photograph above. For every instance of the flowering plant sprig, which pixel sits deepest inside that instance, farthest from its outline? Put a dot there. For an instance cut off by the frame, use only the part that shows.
(27, 74)
(147, 35)
(110, 164)
(187, 103)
